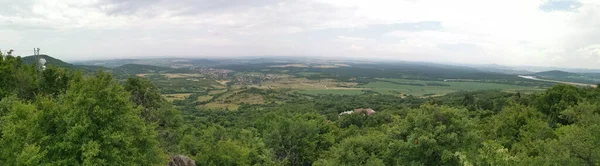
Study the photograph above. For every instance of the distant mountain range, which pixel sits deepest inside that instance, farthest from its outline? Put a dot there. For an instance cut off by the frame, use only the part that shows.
(527, 69)
(124, 69)
(136, 66)
(556, 73)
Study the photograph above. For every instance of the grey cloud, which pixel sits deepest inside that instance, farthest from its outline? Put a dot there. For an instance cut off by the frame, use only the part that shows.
(560, 5)
(15, 8)
(373, 31)
(182, 7)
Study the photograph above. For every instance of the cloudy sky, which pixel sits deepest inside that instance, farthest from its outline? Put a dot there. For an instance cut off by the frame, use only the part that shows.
(559, 33)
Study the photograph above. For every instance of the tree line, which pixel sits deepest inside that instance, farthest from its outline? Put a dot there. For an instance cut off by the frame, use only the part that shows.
(62, 117)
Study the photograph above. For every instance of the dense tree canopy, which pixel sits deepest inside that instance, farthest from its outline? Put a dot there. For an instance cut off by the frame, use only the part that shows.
(62, 117)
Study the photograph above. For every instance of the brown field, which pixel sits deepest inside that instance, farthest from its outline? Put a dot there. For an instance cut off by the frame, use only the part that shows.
(218, 86)
(214, 92)
(181, 75)
(303, 84)
(247, 98)
(231, 100)
(223, 82)
(220, 106)
(204, 98)
(178, 96)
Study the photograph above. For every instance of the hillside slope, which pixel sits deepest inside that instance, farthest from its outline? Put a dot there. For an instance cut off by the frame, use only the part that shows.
(49, 61)
(556, 73)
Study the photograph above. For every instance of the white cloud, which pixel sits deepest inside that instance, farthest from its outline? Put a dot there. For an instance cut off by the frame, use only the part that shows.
(512, 32)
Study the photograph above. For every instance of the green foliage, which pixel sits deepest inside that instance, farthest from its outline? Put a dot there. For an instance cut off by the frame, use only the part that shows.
(50, 61)
(556, 99)
(55, 81)
(156, 110)
(515, 124)
(61, 117)
(297, 140)
(93, 123)
(431, 134)
(361, 150)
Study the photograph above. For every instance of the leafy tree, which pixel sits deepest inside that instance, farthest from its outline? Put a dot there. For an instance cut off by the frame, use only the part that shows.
(156, 110)
(517, 123)
(360, 150)
(430, 135)
(556, 99)
(298, 140)
(55, 80)
(93, 123)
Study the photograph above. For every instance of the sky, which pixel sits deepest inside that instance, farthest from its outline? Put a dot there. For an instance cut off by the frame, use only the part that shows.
(557, 33)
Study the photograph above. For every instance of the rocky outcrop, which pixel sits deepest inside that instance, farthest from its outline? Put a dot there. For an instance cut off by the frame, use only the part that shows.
(179, 160)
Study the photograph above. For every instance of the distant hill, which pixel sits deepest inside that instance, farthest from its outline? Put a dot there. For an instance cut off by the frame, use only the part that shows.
(91, 68)
(49, 61)
(107, 63)
(556, 73)
(137, 69)
(163, 62)
(495, 68)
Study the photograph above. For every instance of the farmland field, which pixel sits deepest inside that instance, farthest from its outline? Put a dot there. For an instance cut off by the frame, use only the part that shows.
(178, 96)
(333, 91)
(204, 98)
(421, 88)
(213, 106)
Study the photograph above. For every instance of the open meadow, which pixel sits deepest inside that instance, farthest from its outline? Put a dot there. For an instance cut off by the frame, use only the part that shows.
(431, 88)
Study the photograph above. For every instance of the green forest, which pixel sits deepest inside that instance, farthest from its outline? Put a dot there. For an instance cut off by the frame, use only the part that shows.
(60, 116)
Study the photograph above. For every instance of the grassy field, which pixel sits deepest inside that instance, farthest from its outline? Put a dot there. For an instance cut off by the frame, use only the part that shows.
(178, 96)
(333, 91)
(204, 98)
(401, 86)
(305, 84)
(220, 106)
(231, 100)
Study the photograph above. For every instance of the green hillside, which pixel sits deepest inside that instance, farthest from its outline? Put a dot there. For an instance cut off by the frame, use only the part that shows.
(556, 73)
(50, 61)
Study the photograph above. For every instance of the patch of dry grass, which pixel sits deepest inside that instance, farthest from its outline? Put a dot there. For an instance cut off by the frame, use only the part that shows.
(223, 82)
(180, 75)
(214, 92)
(247, 99)
(178, 96)
(220, 106)
(305, 84)
(204, 98)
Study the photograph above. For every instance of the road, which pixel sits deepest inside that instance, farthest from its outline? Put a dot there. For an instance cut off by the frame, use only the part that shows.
(562, 82)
